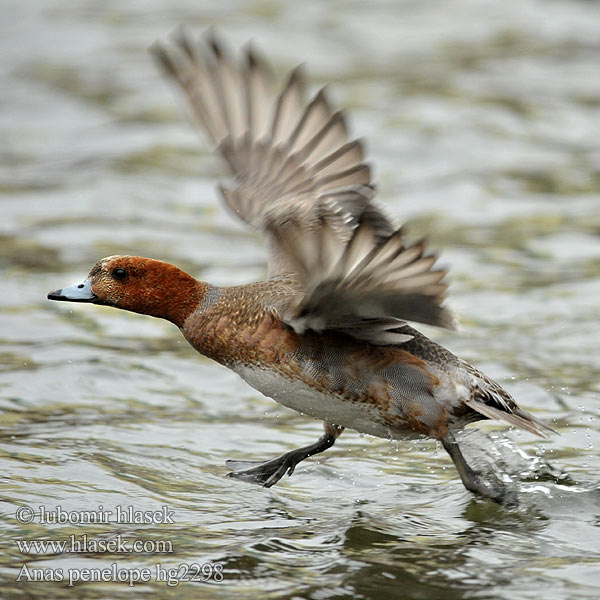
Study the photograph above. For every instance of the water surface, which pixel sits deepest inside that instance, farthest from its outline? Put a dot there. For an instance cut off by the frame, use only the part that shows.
(483, 120)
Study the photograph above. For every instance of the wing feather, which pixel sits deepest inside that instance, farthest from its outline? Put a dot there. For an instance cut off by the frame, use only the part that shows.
(298, 177)
(362, 278)
(277, 145)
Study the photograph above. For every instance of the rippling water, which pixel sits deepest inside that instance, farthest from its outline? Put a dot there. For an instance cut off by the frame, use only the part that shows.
(484, 128)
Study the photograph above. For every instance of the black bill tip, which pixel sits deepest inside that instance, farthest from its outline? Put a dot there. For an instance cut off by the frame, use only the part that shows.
(80, 292)
(57, 295)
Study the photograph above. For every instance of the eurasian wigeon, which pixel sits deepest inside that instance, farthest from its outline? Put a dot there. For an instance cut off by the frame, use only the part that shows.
(326, 334)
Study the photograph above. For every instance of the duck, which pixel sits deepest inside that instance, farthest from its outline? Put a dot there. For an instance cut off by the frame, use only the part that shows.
(328, 333)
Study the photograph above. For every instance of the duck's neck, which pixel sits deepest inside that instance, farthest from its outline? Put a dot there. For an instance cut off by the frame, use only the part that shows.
(184, 298)
(169, 293)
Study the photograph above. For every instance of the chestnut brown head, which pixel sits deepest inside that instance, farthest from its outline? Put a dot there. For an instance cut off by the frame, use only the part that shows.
(138, 284)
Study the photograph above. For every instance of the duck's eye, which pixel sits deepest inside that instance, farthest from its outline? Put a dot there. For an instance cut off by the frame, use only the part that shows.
(119, 274)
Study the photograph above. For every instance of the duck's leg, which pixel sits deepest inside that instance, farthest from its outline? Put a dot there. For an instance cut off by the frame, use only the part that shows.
(270, 472)
(472, 479)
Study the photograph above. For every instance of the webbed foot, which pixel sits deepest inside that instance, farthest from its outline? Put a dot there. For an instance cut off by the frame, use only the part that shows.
(270, 472)
(263, 473)
(473, 480)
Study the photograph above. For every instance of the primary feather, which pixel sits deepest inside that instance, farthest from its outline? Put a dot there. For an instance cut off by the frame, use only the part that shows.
(302, 181)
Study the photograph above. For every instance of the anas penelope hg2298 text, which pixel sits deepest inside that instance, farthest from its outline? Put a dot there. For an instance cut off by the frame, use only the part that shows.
(326, 334)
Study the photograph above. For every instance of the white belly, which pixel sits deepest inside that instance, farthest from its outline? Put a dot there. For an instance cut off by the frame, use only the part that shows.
(334, 409)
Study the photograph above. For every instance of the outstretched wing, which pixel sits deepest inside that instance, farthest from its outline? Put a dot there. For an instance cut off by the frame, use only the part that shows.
(284, 150)
(366, 286)
(300, 179)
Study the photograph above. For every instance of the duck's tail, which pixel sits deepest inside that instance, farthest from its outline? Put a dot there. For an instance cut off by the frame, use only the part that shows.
(515, 416)
(491, 400)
